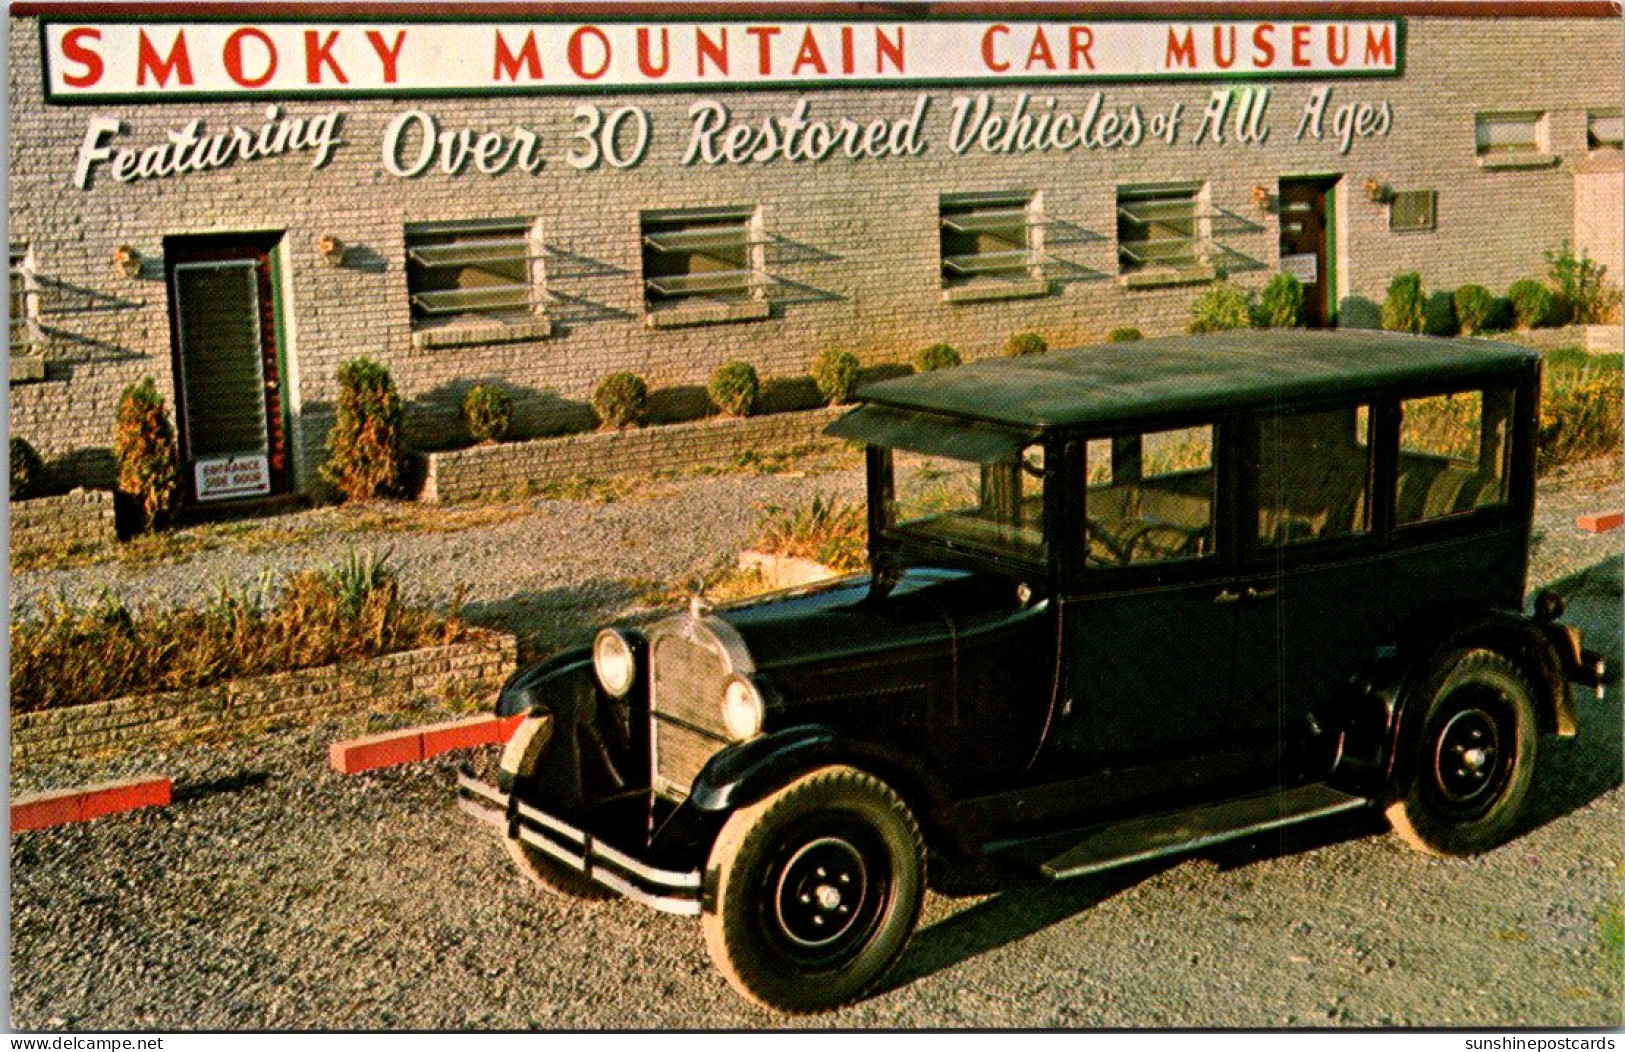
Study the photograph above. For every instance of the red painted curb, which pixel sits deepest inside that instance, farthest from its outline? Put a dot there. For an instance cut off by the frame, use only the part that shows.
(412, 744)
(43, 810)
(1601, 522)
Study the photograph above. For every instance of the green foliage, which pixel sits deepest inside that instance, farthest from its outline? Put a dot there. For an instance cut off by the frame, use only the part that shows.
(1125, 334)
(836, 373)
(1533, 303)
(366, 450)
(1475, 308)
(826, 530)
(27, 470)
(488, 412)
(70, 653)
(734, 388)
(937, 356)
(1021, 344)
(621, 400)
(1405, 309)
(1281, 302)
(1585, 296)
(144, 447)
(1221, 307)
(1579, 414)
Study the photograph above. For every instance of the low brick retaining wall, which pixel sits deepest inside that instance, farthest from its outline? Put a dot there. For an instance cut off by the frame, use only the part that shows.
(483, 471)
(261, 702)
(81, 519)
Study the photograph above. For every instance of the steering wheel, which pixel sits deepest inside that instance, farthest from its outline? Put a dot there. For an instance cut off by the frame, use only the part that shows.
(1160, 541)
(1095, 534)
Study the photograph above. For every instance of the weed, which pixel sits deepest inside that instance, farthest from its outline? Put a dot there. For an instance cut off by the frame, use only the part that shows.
(825, 529)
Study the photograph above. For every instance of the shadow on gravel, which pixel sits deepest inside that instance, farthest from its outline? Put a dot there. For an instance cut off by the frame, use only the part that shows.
(554, 618)
(235, 783)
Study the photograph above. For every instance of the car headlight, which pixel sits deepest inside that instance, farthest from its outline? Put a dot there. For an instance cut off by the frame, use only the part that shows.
(613, 663)
(741, 708)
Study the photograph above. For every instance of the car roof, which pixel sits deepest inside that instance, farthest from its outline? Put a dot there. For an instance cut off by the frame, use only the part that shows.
(1122, 382)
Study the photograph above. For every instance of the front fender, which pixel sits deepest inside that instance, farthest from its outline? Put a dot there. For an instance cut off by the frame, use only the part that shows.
(562, 682)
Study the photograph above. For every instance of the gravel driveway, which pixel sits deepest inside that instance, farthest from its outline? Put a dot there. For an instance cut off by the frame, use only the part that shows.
(276, 894)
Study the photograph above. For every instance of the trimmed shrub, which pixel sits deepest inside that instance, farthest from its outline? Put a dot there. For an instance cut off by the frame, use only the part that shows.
(734, 388)
(148, 458)
(836, 373)
(1405, 308)
(1439, 315)
(1022, 344)
(1223, 306)
(366, 452)
(1475, 308)
(27, 470)
(1533, 303)
(1585, 296)
(488, 412)
(1281, 302)
(1125, 334)
(621, 400)
(937, 356)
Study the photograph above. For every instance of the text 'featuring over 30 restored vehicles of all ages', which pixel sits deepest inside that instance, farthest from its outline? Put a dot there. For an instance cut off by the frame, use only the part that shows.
(1125, 602)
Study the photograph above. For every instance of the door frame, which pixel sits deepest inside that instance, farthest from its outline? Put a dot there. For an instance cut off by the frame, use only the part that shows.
(1331, 186)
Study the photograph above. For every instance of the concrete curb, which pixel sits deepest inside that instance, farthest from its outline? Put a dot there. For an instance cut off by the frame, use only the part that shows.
(411, 744)
(59, 807)
(1601, 522)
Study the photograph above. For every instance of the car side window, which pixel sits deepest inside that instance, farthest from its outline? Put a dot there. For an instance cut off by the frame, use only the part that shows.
(1313, 474)
(1149, 497)
(1453, 453)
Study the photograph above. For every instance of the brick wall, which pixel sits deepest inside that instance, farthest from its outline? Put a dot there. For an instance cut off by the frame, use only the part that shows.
(467, 474)
(854, 244)
(1599, 214)
(264, 702)
(81, 519)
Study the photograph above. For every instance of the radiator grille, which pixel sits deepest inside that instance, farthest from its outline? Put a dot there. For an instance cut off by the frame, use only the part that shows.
(689, 670)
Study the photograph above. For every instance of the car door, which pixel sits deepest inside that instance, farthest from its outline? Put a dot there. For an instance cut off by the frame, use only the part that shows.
(1149, 623)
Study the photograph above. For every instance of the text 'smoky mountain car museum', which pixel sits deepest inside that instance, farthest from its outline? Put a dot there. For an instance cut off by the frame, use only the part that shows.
(234, 201)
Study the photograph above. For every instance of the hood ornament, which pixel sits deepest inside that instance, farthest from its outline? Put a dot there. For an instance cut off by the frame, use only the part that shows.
(698, 605)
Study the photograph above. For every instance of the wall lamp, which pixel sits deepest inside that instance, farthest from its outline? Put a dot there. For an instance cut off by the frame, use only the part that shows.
(127, 261)
(331, 249)
(1379, 192)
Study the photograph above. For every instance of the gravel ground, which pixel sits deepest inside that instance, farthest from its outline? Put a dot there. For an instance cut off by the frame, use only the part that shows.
(277, 894)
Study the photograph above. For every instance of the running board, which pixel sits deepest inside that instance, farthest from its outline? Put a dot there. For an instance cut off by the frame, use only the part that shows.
(1176, 832)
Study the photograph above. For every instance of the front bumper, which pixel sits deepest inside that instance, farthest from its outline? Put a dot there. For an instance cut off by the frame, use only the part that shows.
(669, 891)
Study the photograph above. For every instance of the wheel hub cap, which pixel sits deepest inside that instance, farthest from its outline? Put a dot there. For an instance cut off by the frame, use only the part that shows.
(819, 890)
(1466, 760)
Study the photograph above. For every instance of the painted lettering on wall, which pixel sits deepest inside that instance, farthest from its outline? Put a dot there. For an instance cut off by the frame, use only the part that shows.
(192, 148)
(88, 59)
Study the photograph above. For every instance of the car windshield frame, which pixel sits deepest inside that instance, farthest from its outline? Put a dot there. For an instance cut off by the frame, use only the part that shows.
(1015, 536)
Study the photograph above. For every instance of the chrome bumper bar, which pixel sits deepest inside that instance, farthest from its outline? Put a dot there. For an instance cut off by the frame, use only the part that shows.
(666, 890)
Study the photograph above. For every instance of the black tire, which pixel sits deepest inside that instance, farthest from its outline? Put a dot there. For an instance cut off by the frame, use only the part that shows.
(552, 876)
(815, 891)
(1472, 756)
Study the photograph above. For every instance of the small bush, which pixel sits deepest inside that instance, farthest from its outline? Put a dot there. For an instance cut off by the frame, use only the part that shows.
(825, 530)
(734, 388)
(488, 412)
(937, 356)
(27, 470)
(1021, 344)
(67, 653)
(1475, 308)
(836, 373)
(1223, 306)
(1281, 302)
(1439, 315)
(1405, 308)
(148, 458)
(365, 447)
(1585, 296)
(1533, 303)
(1125, 334)
(1579, 416)
(621, 400)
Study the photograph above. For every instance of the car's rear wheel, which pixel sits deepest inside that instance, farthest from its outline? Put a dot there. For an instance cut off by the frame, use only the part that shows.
(816, 891)
(1472, 757)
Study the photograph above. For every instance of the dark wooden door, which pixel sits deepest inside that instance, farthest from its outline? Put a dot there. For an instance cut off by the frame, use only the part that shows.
(1307, 245)
(228, 390)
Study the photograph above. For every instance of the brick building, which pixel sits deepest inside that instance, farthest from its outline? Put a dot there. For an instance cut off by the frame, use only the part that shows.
(233, 201)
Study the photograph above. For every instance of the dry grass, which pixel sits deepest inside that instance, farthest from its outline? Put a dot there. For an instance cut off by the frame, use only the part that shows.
(826, 530)
(69, 653)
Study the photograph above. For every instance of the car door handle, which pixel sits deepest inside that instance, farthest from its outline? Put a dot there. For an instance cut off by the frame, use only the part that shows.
(1261, 593)
(1228, 595)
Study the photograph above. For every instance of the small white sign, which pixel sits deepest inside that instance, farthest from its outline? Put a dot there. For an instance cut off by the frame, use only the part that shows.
(226, 477)
(1304, 266)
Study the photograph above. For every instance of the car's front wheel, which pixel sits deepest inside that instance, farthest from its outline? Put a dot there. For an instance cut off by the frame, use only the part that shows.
(1473, 756)
(816, 890)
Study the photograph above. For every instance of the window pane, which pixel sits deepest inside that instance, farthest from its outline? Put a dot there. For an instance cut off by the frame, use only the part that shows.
(1158, 226)
(997, 507)
(1149, 497)
(697, 254)
(1314, 475)
(1453, 453)
(19, 297)
(1604, 131)
(1503, 133)
(986, 235)
(482, 270)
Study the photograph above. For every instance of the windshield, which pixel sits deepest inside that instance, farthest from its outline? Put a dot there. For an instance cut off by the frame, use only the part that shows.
(997, 507)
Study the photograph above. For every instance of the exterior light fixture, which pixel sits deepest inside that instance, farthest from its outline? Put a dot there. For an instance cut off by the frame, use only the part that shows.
(331, 249)
(1378, 191)
(1261, 199)
(127, 261)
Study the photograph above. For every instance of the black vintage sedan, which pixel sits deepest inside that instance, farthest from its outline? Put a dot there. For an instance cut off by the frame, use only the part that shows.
(1126, 601)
